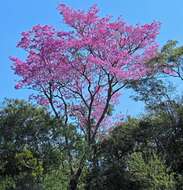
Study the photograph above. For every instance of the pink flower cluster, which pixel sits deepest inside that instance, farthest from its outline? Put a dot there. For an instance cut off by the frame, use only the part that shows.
(85, 67)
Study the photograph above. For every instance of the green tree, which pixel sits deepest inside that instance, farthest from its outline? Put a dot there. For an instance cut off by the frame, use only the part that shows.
(151, 173)
(112, 155)
(27, 144)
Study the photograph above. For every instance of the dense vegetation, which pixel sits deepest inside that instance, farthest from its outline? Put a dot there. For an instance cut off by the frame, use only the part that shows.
(140, 153)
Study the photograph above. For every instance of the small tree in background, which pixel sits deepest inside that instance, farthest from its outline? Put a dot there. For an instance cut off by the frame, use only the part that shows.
(80, 73)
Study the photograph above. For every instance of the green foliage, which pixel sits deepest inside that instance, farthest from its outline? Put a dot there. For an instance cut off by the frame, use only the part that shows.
(140, 154)
(170, 52)
(56, 179)
(166, 137)
(7, 182)
(26, 161)
(151, 174)
(25, 144)
(113, 153)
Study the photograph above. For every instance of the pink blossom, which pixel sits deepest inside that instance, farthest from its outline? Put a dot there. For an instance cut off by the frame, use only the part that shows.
(86, 67)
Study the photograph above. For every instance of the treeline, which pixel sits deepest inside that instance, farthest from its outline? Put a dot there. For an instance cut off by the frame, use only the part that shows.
(139, 153)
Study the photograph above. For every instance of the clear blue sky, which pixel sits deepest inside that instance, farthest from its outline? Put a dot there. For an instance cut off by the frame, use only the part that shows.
(20, 15)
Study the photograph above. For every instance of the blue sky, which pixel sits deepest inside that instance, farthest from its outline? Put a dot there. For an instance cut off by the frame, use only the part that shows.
(20, 15)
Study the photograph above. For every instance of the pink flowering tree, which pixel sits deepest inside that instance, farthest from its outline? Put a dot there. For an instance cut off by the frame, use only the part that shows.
(80, 73)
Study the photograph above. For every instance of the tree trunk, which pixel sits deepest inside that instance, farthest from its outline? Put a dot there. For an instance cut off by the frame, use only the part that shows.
(73, 183)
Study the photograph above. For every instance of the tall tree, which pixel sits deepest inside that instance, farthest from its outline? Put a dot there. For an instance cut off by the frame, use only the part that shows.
(81, 72)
